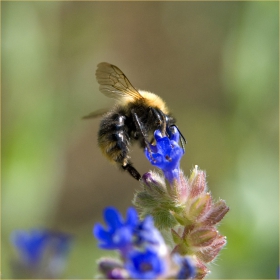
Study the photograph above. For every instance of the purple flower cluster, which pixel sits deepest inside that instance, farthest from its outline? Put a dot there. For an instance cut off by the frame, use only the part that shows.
(141, 245)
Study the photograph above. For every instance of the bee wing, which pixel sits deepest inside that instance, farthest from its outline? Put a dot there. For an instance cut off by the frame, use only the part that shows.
(114, 83)
(96, 114)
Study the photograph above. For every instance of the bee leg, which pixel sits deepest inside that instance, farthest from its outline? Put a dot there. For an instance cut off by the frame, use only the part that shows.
(163, 123)
(132, 171)
(139, 126)
(158, 114)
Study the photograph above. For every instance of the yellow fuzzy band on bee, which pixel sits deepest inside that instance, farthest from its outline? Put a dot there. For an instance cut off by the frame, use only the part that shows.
(153, 100)
(149, 99)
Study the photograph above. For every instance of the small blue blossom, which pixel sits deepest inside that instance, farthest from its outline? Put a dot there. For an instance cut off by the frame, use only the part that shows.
(30, 245)
(145, 265)
(41, 252)
(187, 269)
(119, 233)
(141, 245)
(166, 154)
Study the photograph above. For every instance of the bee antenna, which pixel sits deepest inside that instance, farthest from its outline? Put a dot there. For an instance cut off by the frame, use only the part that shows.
(182, 138)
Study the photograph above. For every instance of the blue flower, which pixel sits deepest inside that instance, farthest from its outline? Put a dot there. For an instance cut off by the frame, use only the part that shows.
(166, 154)
(141, 245)
(30, 245)
(119, 234)
(187, 269)
(41, 252)
(145, 265)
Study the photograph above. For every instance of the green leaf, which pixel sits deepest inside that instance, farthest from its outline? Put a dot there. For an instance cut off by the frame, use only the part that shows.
(163, 219)
(176, 237)
(181, 220)
(144, 200)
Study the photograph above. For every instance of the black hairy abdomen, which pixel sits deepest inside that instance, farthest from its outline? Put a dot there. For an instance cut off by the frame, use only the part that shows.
(113, 136)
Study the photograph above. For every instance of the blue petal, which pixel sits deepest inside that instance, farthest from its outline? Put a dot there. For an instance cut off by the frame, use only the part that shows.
(148, 223)
(148, 233)
(123, 237)
(175, 136)
(131, 217)
(100, 233)
(18, 238)
(157, 135)
(30, 245)
(113, 218)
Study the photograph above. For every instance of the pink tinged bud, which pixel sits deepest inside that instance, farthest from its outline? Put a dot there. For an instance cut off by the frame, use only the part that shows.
(220, 242)
(118, 273)
(198, 183)
(211, 252)
(152, 181)
(218, 211)
(202, 237)
(187, 230)
(106, 265)
(183, 188)
(201, 270)
(200, 206)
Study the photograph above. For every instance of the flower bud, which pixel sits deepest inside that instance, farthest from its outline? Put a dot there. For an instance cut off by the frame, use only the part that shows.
(200, 206)
(201, 270)
(218, 211)
(202, 237)
(106, 265)
(211, 253)
(153, 180)
(118, 273)
(197, 182)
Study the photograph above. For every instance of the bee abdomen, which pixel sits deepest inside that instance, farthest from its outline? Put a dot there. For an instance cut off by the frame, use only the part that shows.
(114, 139)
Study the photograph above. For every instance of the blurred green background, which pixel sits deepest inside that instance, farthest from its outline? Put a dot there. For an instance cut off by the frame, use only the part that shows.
(214, 63)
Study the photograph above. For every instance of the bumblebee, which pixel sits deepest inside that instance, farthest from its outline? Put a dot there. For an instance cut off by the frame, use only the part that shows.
(134, 117)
